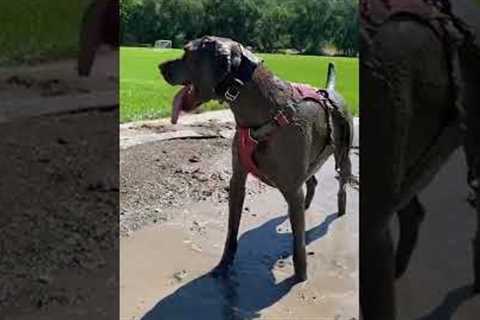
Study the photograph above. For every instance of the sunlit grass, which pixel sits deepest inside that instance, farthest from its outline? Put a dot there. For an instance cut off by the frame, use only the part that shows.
(145, 95)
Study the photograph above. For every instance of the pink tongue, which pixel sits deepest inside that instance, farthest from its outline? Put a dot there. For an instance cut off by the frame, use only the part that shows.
(183, 100)
(177, 104)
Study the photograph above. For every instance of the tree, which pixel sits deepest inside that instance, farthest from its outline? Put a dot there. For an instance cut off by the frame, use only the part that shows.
(306, 25)
(346, 36)
(311, 25)
(272, 29)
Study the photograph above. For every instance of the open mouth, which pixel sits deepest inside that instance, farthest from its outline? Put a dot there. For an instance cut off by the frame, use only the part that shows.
(185, 100)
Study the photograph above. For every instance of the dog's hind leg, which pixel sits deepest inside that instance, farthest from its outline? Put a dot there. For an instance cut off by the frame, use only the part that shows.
(476, 246)
(311, 185)
(377, 298)
(90, 37)
(344, 177)
(343, 136)
(474, 200)
(410, 218)
(342, 196)
(235, 205)
(296, 212)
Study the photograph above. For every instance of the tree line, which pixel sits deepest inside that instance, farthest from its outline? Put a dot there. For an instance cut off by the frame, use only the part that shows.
(308, 26)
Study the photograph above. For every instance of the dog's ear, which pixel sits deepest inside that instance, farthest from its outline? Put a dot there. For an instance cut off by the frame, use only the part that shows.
(239, 52)
(247, 54)
(226, 55)
(236, 55)
(232, 53)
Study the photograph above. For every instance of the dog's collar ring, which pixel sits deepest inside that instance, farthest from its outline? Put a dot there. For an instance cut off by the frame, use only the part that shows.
(231, 96)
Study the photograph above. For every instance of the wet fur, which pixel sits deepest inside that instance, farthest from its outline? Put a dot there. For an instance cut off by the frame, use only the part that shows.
(290, 158)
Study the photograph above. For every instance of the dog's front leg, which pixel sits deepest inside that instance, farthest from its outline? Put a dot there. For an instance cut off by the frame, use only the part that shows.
(90, 37)
(235, 206)
(410, 218)
(296, 212)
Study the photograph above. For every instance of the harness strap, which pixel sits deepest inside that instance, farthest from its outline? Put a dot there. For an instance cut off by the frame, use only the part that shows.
(250, 137)
(247, 145)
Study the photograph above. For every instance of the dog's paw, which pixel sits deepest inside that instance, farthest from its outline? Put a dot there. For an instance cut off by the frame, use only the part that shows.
(301, 276)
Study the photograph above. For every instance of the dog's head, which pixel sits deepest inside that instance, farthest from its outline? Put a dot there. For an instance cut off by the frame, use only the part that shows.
(205, 64)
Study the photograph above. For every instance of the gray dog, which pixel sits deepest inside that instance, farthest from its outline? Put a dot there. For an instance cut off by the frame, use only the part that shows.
(285, 131)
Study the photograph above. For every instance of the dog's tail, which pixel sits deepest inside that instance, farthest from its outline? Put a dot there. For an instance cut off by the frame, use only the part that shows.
(331, 77)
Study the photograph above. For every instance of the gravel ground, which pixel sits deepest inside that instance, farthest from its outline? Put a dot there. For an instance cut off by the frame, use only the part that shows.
(156, 179)
(58, 215)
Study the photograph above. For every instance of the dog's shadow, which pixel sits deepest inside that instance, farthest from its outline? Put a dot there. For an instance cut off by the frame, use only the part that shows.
(249, 287)
(450, 304)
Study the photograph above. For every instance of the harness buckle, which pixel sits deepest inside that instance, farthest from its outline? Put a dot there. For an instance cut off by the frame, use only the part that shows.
(281, 119)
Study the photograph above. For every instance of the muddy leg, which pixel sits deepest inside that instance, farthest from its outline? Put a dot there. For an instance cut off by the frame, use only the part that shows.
(90, 36)
(377, 268)
(472, 155)
(474, 201)
(470, 64)
(476, 248)
(235, 206)
(343, 177)
(296, 212)
(311, 185)
(342, 196)
(410, 218)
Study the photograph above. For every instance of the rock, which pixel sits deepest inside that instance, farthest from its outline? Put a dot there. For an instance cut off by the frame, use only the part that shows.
(180, 275)
(61, 141)
(194, 159)
(21, 81)
(53, 87)
(44, 279)
(196, 248)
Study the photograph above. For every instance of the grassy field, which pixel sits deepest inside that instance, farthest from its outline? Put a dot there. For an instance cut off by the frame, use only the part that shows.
(145, 95)
(32, 31)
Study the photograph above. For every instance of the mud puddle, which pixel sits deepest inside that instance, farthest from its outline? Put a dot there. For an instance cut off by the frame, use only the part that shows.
(165, 262)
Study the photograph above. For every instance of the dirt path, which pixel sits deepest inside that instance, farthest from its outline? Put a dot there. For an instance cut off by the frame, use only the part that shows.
(173, 226)
(438, 282)
(58, 216)
(55, 87)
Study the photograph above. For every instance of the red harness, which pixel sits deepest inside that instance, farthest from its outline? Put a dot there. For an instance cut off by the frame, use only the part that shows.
(247, 144)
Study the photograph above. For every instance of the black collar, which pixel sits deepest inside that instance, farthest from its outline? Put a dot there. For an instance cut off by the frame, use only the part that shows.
(230, 87)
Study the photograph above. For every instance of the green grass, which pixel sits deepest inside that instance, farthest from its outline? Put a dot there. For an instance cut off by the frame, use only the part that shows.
(145, 95)
(37, 30)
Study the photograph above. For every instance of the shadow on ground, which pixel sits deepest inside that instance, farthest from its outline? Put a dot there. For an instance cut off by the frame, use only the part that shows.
(450, 304)
(249, 288)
